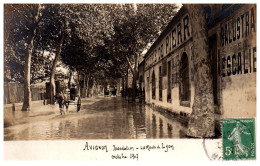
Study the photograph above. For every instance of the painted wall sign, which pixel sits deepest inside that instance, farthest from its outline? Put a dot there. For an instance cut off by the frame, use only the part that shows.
(238, 28)
(180, 33)
(238, 42)
(240, 63)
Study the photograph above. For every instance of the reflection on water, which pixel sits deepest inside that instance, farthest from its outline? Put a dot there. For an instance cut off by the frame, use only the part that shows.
(111, 118)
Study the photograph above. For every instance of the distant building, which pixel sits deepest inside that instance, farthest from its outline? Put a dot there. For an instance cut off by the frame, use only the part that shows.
(169, 71)
(141, 76)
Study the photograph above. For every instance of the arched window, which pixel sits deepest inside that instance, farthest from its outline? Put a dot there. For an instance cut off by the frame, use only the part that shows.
(153, 85)
(184, 76)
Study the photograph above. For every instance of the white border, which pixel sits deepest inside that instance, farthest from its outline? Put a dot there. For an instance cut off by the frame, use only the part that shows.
(120, 163)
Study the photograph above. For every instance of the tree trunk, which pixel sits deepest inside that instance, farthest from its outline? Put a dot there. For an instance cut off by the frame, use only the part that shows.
(53, 69)
(84, 87)
(202, 120)
(78, 84)
(93, 89)
(69, 82)
(134, 76)
(27, 65)
(118, 87)
(126, 84)
(87, 88)
(134, 86)
(123, 87)
(134, 73)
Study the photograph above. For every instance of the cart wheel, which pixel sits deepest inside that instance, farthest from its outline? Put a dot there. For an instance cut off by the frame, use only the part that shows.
(78, 107)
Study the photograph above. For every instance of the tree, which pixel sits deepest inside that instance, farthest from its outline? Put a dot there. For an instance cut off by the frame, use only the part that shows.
(21, 23)
(17, 23)
(54, 31)
(107, 38)
(53, 68)
(201, 122)
(90, 26)
(40, 66)
(75, 56)
(136, 27)
(27, 67)
(14, 42)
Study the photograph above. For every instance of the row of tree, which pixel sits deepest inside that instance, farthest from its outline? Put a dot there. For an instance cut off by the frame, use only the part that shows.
(98, 41)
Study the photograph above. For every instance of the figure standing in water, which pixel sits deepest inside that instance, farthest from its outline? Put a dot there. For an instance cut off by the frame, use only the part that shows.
(60, 99)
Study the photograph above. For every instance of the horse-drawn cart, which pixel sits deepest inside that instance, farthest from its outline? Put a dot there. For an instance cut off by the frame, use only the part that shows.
(74, 99)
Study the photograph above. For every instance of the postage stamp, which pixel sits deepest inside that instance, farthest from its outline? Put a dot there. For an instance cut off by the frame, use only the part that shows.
(238, 139)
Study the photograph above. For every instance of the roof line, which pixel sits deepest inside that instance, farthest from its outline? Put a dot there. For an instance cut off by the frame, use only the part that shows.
(174, 21)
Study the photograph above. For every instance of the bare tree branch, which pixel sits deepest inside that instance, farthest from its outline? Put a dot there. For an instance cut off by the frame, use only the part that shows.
(129, 63)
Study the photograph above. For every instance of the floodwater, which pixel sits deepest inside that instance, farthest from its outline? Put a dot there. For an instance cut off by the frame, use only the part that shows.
(107, 118)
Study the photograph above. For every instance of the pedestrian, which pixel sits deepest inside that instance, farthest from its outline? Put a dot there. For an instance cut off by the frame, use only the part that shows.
(115, 92)
(66, 102)
(61, 103)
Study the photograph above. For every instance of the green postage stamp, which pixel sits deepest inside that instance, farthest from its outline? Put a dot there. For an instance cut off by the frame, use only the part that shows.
(238, 137)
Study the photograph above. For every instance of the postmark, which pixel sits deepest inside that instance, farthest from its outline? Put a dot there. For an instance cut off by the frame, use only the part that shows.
(213, 149)
(238, 137)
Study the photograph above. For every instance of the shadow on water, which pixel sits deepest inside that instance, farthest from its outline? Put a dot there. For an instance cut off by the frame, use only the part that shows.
(109, 118)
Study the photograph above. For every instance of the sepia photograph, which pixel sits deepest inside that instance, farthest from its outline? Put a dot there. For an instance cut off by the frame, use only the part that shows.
(131, 72)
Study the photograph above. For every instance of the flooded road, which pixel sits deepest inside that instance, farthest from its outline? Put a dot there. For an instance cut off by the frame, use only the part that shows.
(107, 118)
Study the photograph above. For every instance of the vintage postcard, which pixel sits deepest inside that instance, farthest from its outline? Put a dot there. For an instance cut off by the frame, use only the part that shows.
(129, 81)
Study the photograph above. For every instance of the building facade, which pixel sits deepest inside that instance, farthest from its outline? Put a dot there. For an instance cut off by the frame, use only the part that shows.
(169, 70)
(140, 81)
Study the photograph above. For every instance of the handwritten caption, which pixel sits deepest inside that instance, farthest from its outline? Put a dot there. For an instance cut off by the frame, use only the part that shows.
(128, 152)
